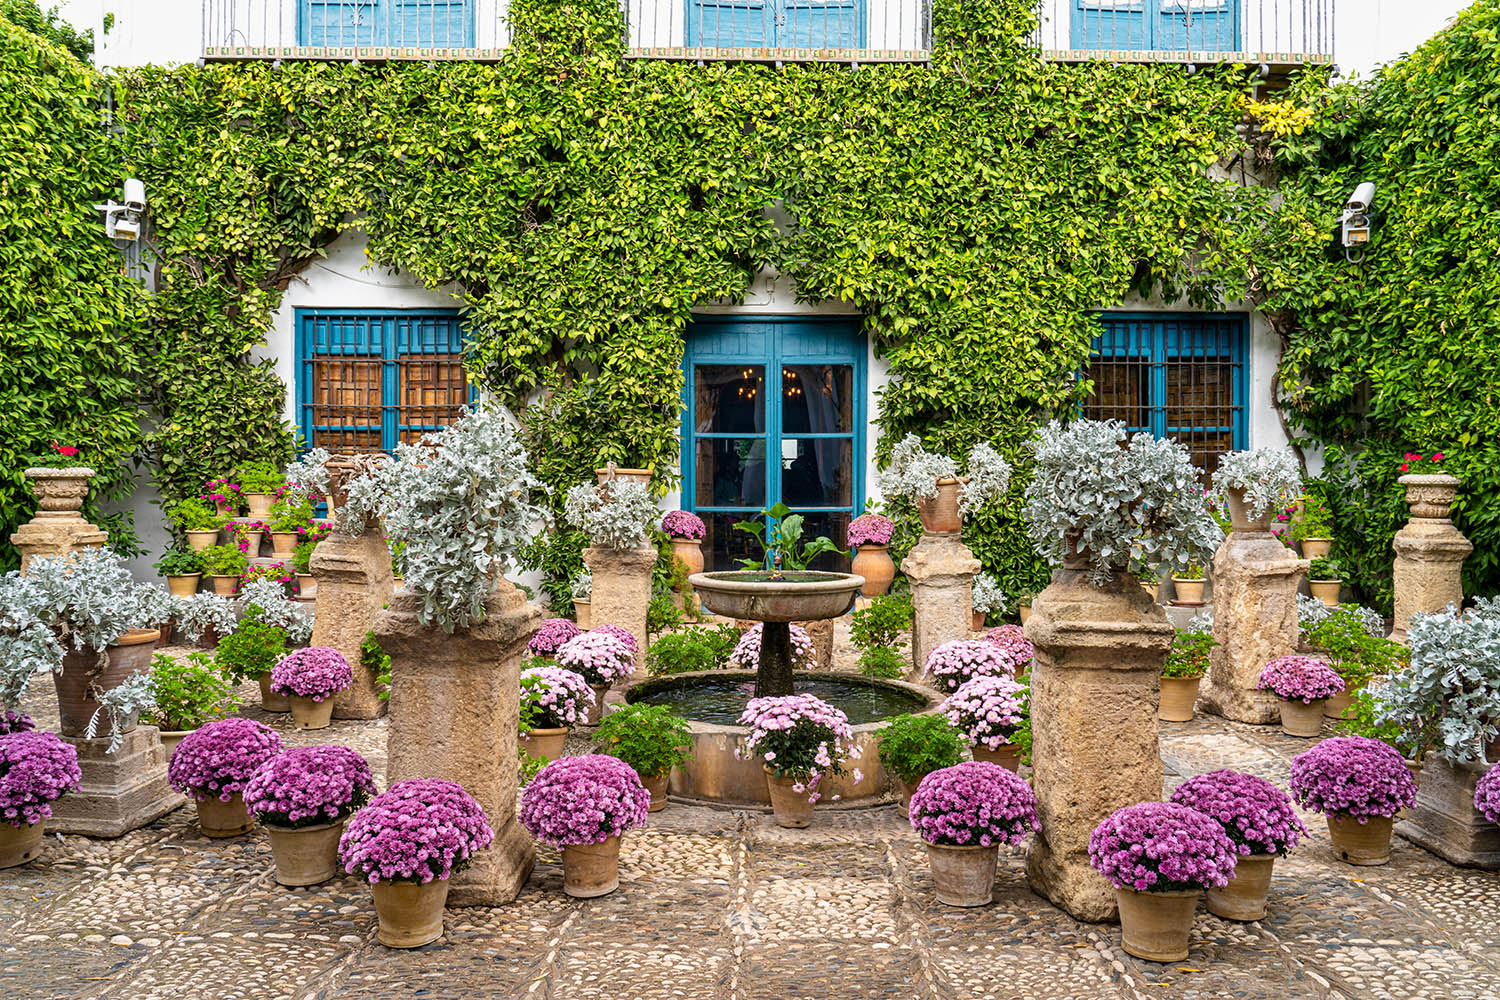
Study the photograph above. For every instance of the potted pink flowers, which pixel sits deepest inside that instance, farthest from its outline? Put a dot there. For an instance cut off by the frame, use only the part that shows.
(36, 768)
(746, 652)
(1303, 683)
(1358, 784)
(987, 711)
(302, 798)
(799, 739)
(1487, 795)
(1160, 856)
(550, 636)
(1259, 819)
(964, 813)
(952, 663)
(552, 700)
(583, 805)
(408, 842)
(686, 530)
(214, 764)
(309, 678)
(1012, 639)
(600, 658)
(870, 535)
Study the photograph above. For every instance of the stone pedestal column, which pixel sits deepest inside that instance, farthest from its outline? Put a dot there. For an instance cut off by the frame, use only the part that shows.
(940, 569)
(1430, 551)
(1444, 820)
(1095, 683)
(58, 527)
(622, 592)
(120, 791)
(354, 582)
(454, 715)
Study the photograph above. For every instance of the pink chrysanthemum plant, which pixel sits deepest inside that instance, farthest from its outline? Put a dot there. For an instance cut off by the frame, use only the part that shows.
(598, 657)
(973, 804)
(1300, 678)
(1256, 815)
(554, 698)
(1487, 795)
(584, 800)
(316, 672)
(619, 632)
(551, 635)
(683, 524)
(746, 653)
(870, 529)
(1162, 847)
(309, 786)
(219, 759)
(36, 769)
(801, 737)
(987, 710)
(953, 663)
(420, 830)
(1012, 639)
(1353, 776)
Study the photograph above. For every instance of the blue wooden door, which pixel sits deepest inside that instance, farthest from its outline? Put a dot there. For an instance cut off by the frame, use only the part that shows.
(1156, 25)
(783, 24)
(775, 412)
(428, 24)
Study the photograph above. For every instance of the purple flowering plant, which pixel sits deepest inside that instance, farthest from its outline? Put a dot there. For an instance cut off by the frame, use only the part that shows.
(550, 636)
(801, 737)
(975, 803)
(35, 770)
(419, 830)
(619, 632)
(746, 653)
(987, 710)
(1352, 776)
(1300, 678)
(953, 663)
(870, 529)
(584, 800)
(1257, 816)
(309, 786)
(553, 698)
(683, 524)
(15, 722)
(1162, 847)
(1487, 795)
(1012, 639)
(598, 657)
(220, 758)
(315, 672)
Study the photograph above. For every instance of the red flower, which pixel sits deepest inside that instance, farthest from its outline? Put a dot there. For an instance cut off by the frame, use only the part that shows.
(1437, 456)
(66, 450)
(1409, 456)
(1403, 466)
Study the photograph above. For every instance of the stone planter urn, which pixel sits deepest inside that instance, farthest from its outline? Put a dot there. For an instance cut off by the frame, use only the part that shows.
(1430, 551)
(1444, 820)
(58, 527)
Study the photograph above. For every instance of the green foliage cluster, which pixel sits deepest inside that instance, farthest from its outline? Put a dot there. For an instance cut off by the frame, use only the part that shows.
(378, 662)
(882, 661)
(179, 562)
(1188, 657)
(916, 745)
(1351, 649)
(250, 651)
(188, 692)
(662, 613)
(223, 560)
(650, 738)
(883, 622)
(692, 650)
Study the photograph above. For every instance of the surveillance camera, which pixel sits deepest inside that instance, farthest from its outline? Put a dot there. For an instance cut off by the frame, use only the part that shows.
(1362, 200)
(123, 227)
(1356, 221)
(135, 195)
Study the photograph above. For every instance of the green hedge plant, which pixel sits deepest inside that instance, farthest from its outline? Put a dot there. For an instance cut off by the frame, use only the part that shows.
(912, 746)
(188, 692)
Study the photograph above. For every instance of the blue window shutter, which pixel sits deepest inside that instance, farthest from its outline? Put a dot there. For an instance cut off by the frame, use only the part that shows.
(1156, 25)
(819, 24)
(427, 24)
(724, 24)
(1112, 24)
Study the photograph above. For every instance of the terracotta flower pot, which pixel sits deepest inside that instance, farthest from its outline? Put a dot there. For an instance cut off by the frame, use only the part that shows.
(1005, 755)
(1244, 898)
(545, 745)
(1357, 843)
(306, 583)
(410, 913)
(1188, 591)
(259, 505)
(200, 540)
(310, 714)
(1239, 514)
(86, 675)
(690, 551)
(976, 621)
(1024, 611)
(1326, 591)
(270, 701)
(170, 738)
(1155, 925)
(874, 563)
(20, 844)
(593, 713)
(184, 585)
(964, 876)
(1316, 548)
(1304, 721)
(282, 544)
(940, 513)
(252, 543)
(583, 612)
(657, 787)
(1337, 706)
(164, 637)
(591, 870)
(904, 791)
(224, 819)
(1178, 696)
(1150, 589)
(225, 586)
(790, 808)
(307, 855)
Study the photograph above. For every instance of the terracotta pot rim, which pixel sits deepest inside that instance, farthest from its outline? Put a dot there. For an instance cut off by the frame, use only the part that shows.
(537, 731)
(301, 829)
(1188, 579)
(689, 541)
(1334, 580)
(184, 576)
(138, 636)
(1163, 892)
(621, 471)
(961, 847)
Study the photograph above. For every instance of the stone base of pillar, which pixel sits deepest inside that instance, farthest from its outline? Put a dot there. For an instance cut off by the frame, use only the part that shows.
(622, 592)
(1255, 580)
(1444, 820)
(1095, 683)
(941, 570)
(1428, 573)
(56, 533)
(454, 711)
(354, 582)
(120, 792)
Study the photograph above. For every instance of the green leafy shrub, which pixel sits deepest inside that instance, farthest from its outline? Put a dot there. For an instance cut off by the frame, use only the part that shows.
(882, 623)
(302, 556)
(259, 477)
(250, 651)
(682, 652)
(1317, 520)
(179, 562)
(1323, 568)
(882, 661)
(195, 514)
(1188, 657)
(378, 662)
(650, 738)
(291, 512)
(1362, 719)
(188, 692)
(915, 745)
(223, 560)
(1344, 637)
(663, 614)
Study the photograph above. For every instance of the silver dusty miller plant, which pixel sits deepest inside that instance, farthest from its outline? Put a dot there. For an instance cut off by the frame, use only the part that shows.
(619, 516)
(27, 646)
(128, 698)
(200, 613)
(582, 586)
(276, 609)
(88, 597)
(1270, 478)
(987, 597)
(1124, 502)
(307, 477)
(1445, 700)
(367, 495)
(913, 473)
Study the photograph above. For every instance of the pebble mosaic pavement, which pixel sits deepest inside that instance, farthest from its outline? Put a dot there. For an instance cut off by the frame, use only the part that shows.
(727, 906)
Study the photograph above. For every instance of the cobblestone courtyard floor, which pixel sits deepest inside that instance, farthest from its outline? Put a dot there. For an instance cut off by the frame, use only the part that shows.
(727, 905)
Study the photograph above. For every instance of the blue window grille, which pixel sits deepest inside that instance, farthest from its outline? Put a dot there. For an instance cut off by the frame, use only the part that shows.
(776, 24)
(1178, 375)
(367, 379)
(425, 24)
(775, 411)
(1157, 25)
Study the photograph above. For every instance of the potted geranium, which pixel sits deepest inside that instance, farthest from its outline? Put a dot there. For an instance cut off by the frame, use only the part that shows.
(943, 497)
(1303, 683)
(1160, 856)
(225, 496)
(960, 660)
(870, 535)
(987, 709)
(912, 747)
(1325, 578)
(985, 599)
(291, 515)
(1013, 642)
(583, 805)
(198, 519)
(746, 652)
(600, 658)
(185, 694)
(302, 798)
(652, 739)
(258, 482)
(686, 530)
(36, 769)
(552, 700)
(799, 739)
(278, 573)
(1312, 529)
(309, 678)
(247, 536)
(550, 636)
(1358, 784)
(1256, 484)
(1259, 819)
(213, 764)
(182, 569)
(224, 565)
(249, 653)
(1355, 650)
(1187, 662)
(1188, 584)
(964, 813)
(408, 842)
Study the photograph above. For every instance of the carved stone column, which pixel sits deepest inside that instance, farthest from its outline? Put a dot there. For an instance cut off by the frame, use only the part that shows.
(622, 592)
(1095, 683)
(1430, 551)
(58, 527)
(941, 570)
(454, 715)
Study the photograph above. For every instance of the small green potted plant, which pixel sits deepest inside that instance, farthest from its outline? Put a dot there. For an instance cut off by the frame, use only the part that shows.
(882, 661)
(1325, 578)
(1352, 640)
(249, 653)
(198, 519)
(258, 482)
(183, 570)
(291, 515)
(1187, 662)
(1313, 529)
(1188, 585)
(581, 589)
(882, 623)
(187, 694)
(224, 564)
(912, 747)
(651, 739)
(1149, 581)
(302, 563)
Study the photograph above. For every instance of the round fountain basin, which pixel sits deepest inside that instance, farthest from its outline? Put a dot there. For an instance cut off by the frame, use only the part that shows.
(797, 596)
(715, 777)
